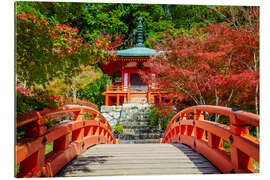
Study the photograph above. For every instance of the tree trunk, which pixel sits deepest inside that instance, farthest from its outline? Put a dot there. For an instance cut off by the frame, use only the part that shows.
(257, 108)
(74, 91)
(256, 99)
(74, 94)
(217, 115)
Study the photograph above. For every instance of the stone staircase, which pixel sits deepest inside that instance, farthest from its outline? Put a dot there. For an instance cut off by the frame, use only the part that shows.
(135, 121)
(137, 127)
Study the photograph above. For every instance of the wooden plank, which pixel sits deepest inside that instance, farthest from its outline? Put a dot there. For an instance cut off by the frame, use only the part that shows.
(87, 172)
(136, 154)
(143, 161)
(106, 158)
(141, 165)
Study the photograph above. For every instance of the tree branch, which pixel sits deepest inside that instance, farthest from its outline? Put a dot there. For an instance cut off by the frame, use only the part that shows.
(188, 93)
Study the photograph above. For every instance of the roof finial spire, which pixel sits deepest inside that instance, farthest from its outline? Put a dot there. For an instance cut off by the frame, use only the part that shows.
(140, 33)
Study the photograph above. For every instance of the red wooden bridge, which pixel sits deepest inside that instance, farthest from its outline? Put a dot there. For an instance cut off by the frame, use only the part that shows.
(86, 146)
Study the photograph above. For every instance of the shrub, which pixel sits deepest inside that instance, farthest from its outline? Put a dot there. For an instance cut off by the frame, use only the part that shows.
(154, 117)
(93, 91)
(157, 119)
(26, 103)
(119, 128)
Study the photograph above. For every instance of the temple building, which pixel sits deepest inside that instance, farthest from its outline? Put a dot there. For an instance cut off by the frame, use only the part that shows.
(127, 64)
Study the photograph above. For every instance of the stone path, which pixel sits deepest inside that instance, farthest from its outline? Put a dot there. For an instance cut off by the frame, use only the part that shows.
(137, 159)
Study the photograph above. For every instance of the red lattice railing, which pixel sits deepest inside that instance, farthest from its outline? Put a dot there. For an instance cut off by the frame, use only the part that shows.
(80, 102)
(69, 139)
(112, 88)
(206, 137)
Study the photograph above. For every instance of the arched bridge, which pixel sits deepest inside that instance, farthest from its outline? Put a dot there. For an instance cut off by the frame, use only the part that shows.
(86, 146)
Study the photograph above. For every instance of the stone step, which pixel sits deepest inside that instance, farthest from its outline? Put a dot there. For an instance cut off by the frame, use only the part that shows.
(139, 141)
(138, 137)
(130, 129)
(140, 134)
(141, 130)
(138, 100)
(131, 124)
(136, 123)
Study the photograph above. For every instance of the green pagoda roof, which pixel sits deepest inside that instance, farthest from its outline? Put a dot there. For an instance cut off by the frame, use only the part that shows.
(139, 50)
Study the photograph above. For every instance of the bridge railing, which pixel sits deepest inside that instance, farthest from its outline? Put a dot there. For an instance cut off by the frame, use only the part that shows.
(69, 139)
(206, 137)
(68, 101)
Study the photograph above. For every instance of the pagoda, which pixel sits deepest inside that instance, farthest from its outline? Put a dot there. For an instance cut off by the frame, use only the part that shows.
(127, 64)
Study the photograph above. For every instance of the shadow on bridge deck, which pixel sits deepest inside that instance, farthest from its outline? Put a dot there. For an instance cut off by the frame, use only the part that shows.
(197, 163)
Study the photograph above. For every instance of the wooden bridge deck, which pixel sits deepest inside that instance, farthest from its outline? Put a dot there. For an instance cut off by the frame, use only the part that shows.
(137, 159)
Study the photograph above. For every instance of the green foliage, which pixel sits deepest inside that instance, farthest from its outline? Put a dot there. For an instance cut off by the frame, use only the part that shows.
(93, 91)
(154, 117)
(91, 19)
(190, 16)
(50, 123)
(226, 145)
(29, 103)
(88, 116)
(46, 50)
(253, 131)
(256, 165)
(119, 128)
(223, 120)
(157, 119)
(20, 132)
(17, 169)
(34, 44)
(60, 86)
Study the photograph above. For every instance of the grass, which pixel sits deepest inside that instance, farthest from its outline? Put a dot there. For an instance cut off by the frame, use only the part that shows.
(17, 168)
(70, 137)
(49, 148)
(256, 165)
(226, 145)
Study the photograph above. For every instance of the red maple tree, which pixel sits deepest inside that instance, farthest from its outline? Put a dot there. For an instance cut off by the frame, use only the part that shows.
(216, 65)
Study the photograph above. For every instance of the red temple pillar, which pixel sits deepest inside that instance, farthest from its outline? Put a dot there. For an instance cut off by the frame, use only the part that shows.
(106, 100)
(117, 100)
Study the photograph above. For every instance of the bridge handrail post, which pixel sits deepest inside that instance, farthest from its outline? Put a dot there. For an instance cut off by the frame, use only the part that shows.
(78, 134)
(239, 159)
(198, 132)
(79, 116)
(36, 128)
(33, 164)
